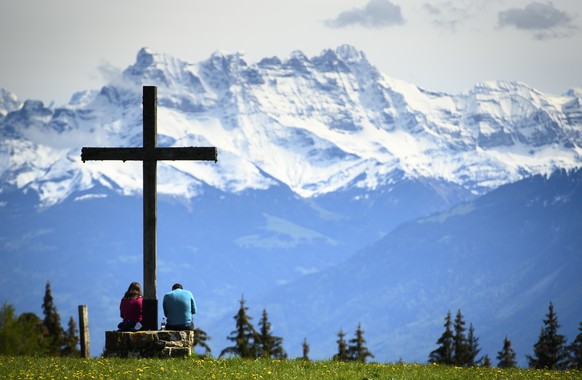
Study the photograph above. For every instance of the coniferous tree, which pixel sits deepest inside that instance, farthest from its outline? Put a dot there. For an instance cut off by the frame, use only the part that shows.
(244, 336)
(357, 350)
(472, 347)
(549, 350)
(486, 362)
(200, 339)
(444, 352)
(305, 350)
(71, 340)
(270, 346)
(52, 322)
(342, 347)
(506, 357)
(459, 341)
(575, 350)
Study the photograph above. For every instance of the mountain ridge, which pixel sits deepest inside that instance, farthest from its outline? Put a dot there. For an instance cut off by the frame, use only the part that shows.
(318, 125)
(500, 259)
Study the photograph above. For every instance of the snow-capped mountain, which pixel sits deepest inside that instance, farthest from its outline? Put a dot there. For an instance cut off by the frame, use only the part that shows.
(316, 125)
(317, 158)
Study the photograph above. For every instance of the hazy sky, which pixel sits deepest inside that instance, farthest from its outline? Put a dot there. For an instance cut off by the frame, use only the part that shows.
(50, 49)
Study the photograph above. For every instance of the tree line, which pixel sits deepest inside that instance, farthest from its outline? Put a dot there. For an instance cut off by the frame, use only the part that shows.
(459, 347)
(248, 342)
(27, 334)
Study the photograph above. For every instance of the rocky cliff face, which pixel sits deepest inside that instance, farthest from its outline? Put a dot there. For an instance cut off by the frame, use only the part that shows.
(318, 125)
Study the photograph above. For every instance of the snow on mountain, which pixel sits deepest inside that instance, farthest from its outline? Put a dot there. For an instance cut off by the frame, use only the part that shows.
(8, 102)
(317, 125)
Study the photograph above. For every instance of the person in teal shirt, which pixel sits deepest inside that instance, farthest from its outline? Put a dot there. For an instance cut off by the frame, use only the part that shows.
(179, 307)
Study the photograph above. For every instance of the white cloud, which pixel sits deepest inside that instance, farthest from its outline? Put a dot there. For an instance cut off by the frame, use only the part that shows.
(543, 19)
(108, 72)
(376, 14)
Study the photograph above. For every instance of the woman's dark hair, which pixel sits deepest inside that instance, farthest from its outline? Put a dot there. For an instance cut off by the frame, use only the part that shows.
(134, 290)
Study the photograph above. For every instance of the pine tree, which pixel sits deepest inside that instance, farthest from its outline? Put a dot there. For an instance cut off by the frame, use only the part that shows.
(52, 322)
(305, 350)
(549, 350)
(244, 337)
(200, 339)
(459, 341)
(71, 340)
(506, 357)
(486, 362)
(342, 348)
(444, 352)
(575, 350)
(357, 350)
(269, 346)
(472, 347)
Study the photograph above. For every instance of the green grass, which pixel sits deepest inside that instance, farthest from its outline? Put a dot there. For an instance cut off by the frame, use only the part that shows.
(22, 367)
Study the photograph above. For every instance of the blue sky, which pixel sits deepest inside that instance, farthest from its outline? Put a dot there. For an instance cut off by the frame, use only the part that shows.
(50, 49)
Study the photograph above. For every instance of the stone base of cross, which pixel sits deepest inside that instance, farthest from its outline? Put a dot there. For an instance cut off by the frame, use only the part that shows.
(150, 154)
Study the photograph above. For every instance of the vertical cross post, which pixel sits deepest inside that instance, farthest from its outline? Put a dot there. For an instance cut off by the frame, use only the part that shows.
(150, 132)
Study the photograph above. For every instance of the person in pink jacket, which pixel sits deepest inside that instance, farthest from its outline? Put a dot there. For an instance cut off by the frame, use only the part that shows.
(131, 308)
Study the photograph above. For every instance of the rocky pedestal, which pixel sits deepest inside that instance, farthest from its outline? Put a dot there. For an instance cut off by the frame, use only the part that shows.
(148, 344)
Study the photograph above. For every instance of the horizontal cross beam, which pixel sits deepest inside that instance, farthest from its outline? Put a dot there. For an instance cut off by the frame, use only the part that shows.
(155, 154)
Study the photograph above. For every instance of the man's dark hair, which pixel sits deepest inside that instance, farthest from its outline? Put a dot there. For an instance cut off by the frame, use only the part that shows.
(177, 286)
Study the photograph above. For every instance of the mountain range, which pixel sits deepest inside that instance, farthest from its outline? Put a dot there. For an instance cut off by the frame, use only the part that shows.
(500, 260)
(319, 208)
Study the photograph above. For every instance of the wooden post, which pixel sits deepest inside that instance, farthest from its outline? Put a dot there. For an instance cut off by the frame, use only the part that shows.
(84, 331)
(150, 302)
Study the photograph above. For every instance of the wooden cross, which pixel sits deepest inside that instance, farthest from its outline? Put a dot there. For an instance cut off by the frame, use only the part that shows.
(150, 155)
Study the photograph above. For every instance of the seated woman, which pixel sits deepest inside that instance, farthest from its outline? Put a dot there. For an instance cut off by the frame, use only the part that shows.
(131, 308)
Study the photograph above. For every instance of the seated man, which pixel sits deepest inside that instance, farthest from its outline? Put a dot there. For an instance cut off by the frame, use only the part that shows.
(179, 306)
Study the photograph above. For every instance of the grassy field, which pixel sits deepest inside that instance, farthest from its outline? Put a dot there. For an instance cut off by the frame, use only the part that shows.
(196, 368)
